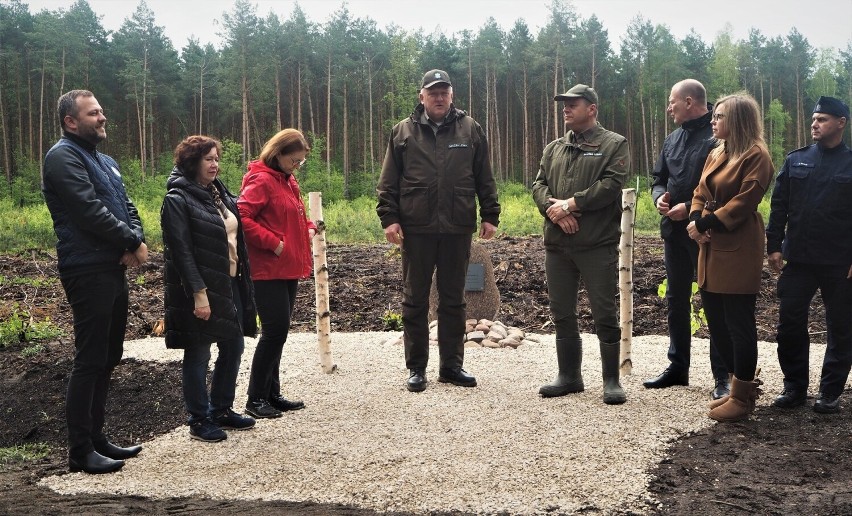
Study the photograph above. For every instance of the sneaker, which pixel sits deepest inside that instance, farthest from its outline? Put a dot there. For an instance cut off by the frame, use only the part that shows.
(206, 430)
(262, 409)
(284, 405)
(230, 420)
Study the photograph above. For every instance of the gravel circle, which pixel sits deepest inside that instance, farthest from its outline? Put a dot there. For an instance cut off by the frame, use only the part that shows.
(365, 441)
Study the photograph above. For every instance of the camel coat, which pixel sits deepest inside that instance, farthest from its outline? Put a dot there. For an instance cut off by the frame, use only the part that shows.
(732, 262)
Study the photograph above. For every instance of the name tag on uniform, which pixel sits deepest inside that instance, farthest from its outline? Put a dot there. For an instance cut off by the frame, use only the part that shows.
(458, 146)
(593, 154)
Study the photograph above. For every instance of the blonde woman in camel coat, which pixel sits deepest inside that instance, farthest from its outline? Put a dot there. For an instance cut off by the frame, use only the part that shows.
(725, 222)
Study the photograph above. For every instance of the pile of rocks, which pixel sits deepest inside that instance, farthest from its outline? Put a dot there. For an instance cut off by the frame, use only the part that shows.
(482, 333)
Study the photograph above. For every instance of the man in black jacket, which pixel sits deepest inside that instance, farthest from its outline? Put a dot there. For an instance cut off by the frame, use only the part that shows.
(99, 235)
(809, 228)
(676, 175)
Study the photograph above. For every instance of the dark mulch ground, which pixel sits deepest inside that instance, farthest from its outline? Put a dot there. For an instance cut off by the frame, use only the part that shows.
(777, 463)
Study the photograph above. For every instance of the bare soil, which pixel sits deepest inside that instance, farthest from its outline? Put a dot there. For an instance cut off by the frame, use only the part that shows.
(780, 462)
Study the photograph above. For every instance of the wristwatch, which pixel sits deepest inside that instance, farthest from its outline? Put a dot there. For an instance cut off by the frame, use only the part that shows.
(565, 207)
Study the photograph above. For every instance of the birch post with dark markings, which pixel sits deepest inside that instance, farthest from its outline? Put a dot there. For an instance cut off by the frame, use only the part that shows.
(321, 284)
(625, 277)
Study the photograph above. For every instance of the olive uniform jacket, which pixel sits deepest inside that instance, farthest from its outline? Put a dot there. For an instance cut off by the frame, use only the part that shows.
(732, 262)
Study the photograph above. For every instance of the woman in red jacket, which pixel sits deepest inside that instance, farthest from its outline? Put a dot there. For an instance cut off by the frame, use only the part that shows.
(278, 234)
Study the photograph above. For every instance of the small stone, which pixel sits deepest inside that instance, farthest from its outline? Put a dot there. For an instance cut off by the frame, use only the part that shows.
(477, 336)
(488, 343)
(499, 330)
(510, 343)
(482, 327)
(495, 336)
(472, 344)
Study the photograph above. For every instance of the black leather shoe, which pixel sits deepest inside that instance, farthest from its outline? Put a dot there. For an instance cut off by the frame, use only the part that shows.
(457, 376)
(285, 405)
(790, 399)
(826, 404)
(667, 378)
(722, 389)
(107, 449)
(416, 380)
(261, 409)
(94, 463)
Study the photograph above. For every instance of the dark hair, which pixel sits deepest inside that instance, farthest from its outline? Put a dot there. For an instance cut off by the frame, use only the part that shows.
(67, 104)
(284, 142)
(189, 152)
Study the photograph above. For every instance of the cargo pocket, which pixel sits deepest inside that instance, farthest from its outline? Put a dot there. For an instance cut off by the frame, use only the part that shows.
(414, 206)
(464, 206)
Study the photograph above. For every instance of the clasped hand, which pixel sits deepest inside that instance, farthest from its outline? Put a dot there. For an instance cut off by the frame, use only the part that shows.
(566, 220)
(701, 238)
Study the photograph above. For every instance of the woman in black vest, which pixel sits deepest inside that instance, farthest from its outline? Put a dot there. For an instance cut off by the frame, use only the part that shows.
(208, 293)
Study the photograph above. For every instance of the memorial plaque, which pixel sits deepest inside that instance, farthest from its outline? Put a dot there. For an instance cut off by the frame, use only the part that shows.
(480, 287)
(475, 280)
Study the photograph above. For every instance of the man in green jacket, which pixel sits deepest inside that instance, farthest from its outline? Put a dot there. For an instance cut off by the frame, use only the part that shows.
(578, 191)
(435, 169)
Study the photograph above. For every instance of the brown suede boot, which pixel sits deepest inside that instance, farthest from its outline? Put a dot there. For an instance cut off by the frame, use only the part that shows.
(721, 401)
(739, 405)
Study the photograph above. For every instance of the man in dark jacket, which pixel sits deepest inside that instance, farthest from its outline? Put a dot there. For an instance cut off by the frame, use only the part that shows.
(99, 235)
(676, 174)
(810, 227)
(435, 168)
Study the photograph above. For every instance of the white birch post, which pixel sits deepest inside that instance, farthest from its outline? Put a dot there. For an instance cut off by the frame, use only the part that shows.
(321, 284)
(625, 277)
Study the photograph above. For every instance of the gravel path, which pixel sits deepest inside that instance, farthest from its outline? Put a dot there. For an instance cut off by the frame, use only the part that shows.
(364, 440)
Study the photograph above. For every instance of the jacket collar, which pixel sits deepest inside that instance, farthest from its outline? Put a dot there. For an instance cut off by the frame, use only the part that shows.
(80, 141)
(418, 115)
(700, 122)
(590, 136)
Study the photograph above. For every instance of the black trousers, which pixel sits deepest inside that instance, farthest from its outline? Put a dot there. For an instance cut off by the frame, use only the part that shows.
(275, 300)
(796, 288)
(732, 324)
(99, 305)
(681, 259)
(448, 256)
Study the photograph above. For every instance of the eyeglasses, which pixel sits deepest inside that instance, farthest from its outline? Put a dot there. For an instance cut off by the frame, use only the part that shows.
(298, 162)
(718, 116)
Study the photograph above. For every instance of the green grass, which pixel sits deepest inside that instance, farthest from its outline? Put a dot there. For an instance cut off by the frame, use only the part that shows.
(20, 327)
(355, 221)
(23, 453)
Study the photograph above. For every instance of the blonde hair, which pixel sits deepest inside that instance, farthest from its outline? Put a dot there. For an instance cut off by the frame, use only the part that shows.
(744, 124)
(284, 142)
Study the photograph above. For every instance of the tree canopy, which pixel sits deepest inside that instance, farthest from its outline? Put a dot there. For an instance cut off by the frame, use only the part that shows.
(345, 82)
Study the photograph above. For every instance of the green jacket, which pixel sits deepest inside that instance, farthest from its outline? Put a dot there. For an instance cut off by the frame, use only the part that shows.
(430, 182)
(592, 172)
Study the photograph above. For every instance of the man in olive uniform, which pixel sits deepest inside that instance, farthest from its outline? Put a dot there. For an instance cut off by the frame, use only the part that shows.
(435, 169)
(578, 191)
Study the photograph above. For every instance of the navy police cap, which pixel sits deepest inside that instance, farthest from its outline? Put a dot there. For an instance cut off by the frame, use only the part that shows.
(832, 106)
